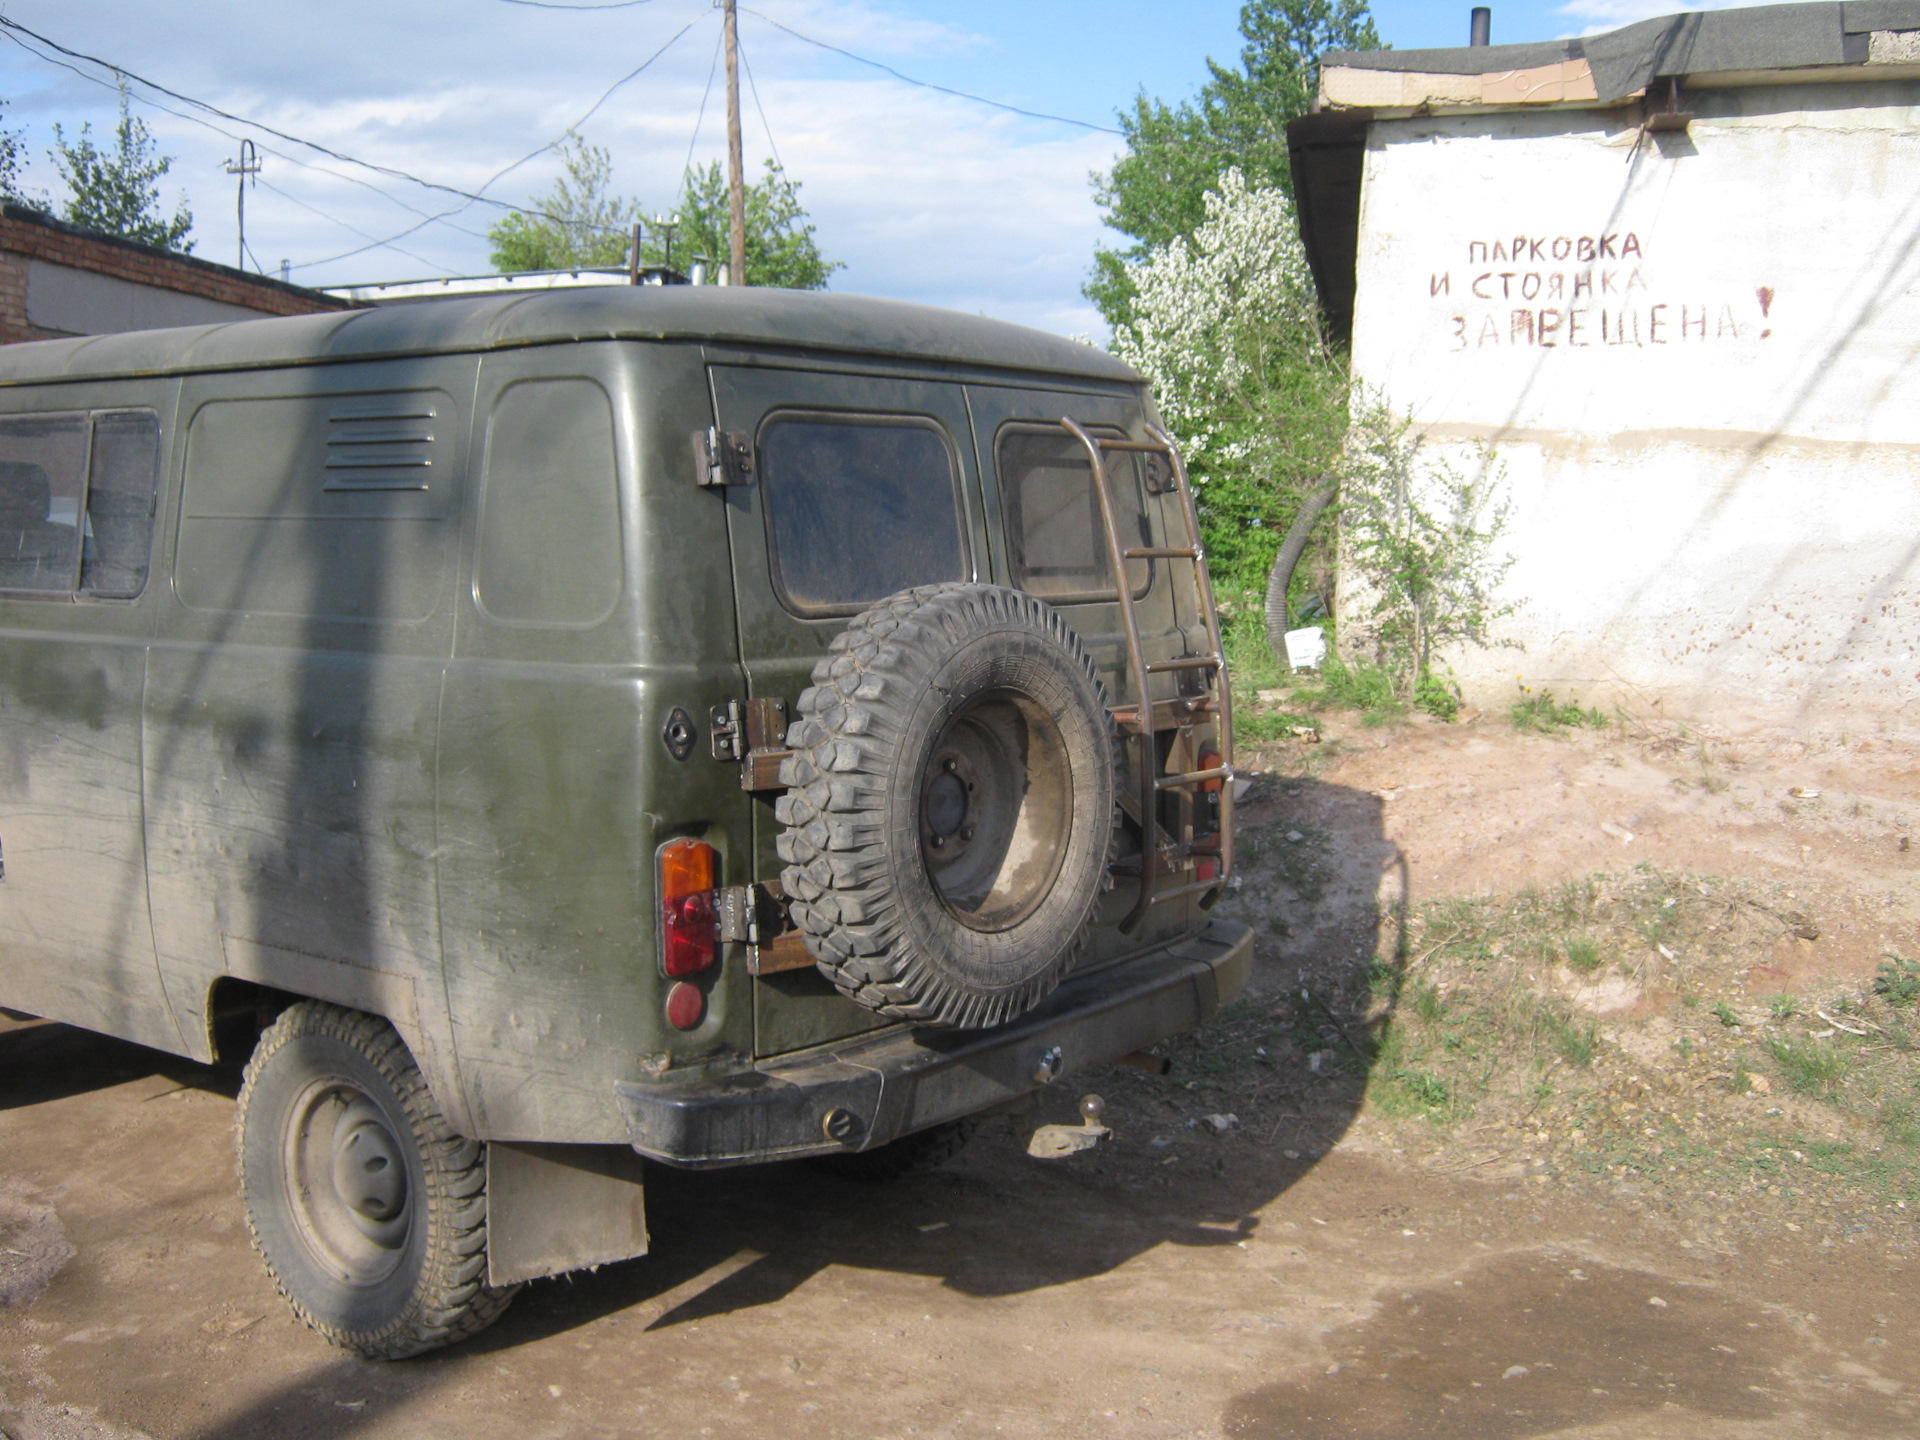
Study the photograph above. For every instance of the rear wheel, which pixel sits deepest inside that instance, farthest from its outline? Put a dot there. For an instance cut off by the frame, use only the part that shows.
(370, 1212)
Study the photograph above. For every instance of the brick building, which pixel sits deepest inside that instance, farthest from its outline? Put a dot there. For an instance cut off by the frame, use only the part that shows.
(59, 280)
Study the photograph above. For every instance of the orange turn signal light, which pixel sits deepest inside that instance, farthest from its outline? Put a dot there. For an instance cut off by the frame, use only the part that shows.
(689, 912)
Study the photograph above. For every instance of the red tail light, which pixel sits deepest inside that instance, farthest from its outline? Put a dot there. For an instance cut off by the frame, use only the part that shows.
(689, 920)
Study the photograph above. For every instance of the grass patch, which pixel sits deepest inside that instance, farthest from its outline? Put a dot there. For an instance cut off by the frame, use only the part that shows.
(1578, 1041)
(1250, 662)
(1405, 1092)
(1898, 981)
(1541, 714)
(1812, 1067)
(1257, 726)
(1363, 687)
(1582, 955)
(1468, 1013)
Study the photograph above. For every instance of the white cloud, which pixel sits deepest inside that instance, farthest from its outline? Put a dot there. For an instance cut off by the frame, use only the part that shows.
(925, 196)
(1596, 16)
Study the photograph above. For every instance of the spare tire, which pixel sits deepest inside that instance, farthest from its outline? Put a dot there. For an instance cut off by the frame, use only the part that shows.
(950, 805)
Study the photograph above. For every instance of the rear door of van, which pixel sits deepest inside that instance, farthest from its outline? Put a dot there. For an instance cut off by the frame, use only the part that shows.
(862, 486)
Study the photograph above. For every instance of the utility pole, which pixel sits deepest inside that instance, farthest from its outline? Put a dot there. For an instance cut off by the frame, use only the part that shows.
(249, 164)
(736, 181)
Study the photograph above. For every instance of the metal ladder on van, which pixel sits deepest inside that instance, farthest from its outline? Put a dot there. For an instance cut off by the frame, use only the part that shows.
(1144, 718)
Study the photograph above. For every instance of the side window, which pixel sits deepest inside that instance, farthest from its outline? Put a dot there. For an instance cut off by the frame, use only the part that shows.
(43, 473)
(121, 477)
(1054, 529)
(549, 549)
(858, 507)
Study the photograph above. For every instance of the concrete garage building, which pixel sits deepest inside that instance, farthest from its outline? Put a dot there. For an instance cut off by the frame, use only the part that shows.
(1672, 275)
(58, 280)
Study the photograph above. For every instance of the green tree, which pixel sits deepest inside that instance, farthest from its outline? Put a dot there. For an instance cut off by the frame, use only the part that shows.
(117, 191)
(1177, 153)
(579, 223)
(781, 250)
(13, 153)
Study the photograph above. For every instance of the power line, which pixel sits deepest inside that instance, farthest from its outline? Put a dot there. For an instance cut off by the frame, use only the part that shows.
(928, 84)
(748, 64)
(336, 220)
(291, 159)
(551, 5)
(13, 29)
(701, 114)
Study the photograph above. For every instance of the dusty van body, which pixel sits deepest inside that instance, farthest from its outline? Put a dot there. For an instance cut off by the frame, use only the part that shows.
(370, 667)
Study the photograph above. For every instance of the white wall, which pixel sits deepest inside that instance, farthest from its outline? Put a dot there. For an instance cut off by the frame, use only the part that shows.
(1702, 377)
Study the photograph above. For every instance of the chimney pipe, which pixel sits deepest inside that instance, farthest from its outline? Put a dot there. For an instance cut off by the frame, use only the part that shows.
(1481, 31)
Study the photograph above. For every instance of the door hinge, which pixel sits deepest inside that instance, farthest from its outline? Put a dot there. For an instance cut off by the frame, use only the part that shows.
(722, 457)
(753, 914)
(754, 732)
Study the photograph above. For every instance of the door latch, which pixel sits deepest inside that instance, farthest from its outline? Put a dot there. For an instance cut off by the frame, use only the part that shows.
(722, 457)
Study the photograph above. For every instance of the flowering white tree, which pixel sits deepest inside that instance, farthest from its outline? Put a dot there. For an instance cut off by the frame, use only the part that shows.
(1226, 327)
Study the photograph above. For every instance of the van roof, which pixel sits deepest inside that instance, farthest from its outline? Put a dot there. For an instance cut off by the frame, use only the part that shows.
(785, 319)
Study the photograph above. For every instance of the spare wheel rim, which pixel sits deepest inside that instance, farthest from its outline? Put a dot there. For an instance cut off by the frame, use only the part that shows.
(995, 817)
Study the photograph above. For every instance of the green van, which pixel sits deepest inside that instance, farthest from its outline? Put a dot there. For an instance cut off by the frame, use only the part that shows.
(547, 733)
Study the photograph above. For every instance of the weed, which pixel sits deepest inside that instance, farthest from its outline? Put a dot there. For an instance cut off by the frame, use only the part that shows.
(1250, 659)
(1898, 981)
(1685, 1046)
(1727, 1015)
(1383, 980)
(1583, 955)
(1258, 726)
(1428, 1003)
(1578, 1041)
(1811, 1067)
(1544, 715)
(1783, 1007)
(1439, 698)
(1361, 686)
(1411, 1092)
(1741, 1081)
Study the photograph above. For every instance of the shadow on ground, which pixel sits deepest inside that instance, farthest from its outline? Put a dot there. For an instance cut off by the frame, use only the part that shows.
(994, 1223)
(1527, 1345)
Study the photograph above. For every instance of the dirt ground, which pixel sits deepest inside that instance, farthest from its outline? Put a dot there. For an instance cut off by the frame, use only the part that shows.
(1501, 1145)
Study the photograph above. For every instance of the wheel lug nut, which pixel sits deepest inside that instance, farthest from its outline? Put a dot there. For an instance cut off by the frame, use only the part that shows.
(966, 832)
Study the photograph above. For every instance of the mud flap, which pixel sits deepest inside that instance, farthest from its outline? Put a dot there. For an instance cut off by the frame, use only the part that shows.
(554, 1208)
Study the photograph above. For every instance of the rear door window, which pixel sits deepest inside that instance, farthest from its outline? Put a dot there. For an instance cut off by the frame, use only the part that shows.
(859, 507)
(1056, 539)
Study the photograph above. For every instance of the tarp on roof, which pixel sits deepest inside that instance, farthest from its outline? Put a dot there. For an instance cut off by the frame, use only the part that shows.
(1627, 60)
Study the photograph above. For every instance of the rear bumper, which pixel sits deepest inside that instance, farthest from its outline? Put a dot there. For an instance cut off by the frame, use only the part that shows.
(877, 1088)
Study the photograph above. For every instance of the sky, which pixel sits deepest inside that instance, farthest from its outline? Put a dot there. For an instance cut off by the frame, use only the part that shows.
(923, 195)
